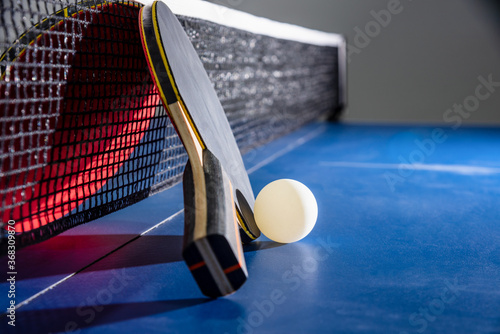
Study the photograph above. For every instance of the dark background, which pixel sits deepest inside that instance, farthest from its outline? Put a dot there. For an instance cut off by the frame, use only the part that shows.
(427, 59)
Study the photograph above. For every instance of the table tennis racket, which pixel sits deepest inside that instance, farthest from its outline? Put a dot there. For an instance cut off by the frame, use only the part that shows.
(217, 189)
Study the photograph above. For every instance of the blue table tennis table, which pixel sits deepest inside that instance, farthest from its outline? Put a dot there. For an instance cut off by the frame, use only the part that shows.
(407, 241)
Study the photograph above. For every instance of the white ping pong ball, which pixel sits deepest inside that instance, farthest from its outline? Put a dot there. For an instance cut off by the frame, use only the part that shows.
(285, 211)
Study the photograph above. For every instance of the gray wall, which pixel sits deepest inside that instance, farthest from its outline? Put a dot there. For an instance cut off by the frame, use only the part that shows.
(426, 60)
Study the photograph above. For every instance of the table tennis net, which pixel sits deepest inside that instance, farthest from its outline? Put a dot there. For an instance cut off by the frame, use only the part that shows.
(82, 130)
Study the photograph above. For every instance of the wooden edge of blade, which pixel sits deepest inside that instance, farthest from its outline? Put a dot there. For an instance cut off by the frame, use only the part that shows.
(195, 153)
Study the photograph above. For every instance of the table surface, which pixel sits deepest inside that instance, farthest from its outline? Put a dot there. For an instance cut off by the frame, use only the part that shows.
(407, 241)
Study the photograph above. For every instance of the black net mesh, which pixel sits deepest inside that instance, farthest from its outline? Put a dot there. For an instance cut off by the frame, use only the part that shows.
(83, 132)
